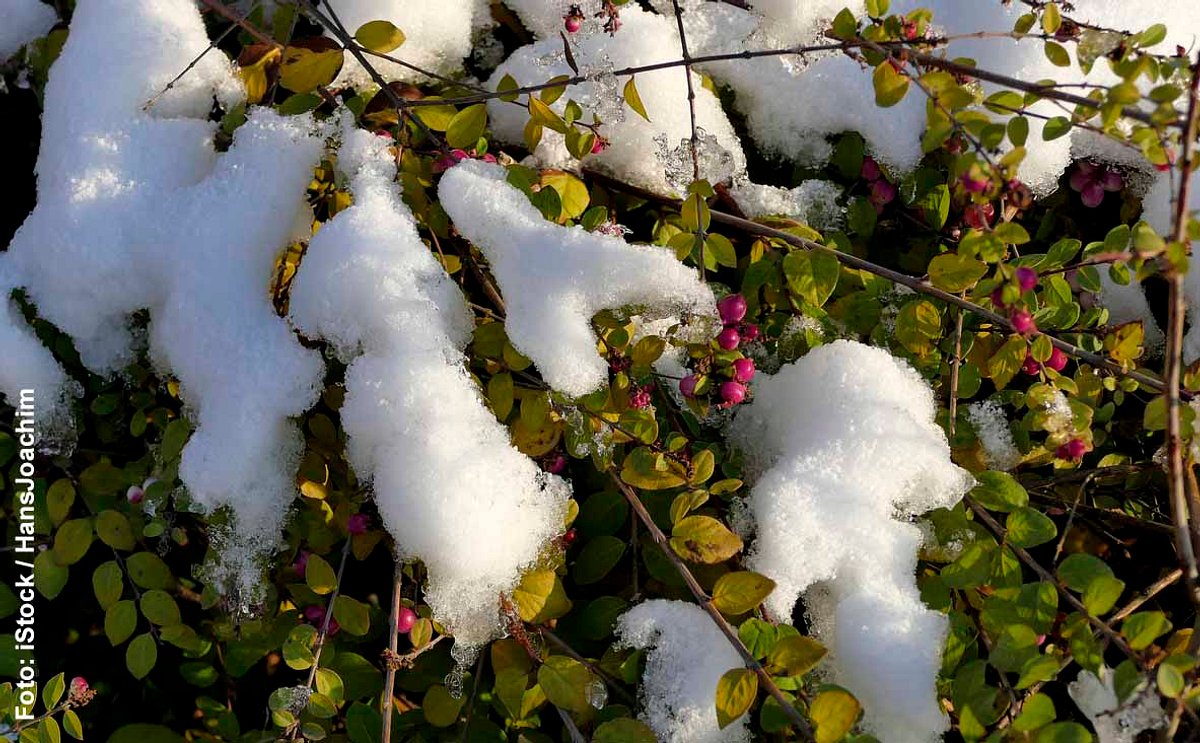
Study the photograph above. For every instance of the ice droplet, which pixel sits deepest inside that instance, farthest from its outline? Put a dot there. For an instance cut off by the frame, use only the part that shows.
(597, 694)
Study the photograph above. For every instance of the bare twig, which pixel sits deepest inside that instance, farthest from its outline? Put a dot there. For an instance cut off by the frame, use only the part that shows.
(389, 684)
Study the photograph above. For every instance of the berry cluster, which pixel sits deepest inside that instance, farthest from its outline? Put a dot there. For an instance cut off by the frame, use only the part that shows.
(883, 191)
(1005, 296)
(724, 362)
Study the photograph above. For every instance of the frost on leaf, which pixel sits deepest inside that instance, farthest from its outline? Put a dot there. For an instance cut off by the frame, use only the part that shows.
(554, 279)
(687, 657)
(136, 210)
(451, 489)
(846, 445)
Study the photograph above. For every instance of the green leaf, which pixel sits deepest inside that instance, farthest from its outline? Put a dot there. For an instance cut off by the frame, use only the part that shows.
(1143, 628)
(634, 100)
(353, 616)
(1102, 594)
(1028, 527)
(597, 558)
(890, 85)
(566, 682)
(1051, 18)
(833, 713)
(72, 540)
(540, 597)
(319, 575)
(379, 36)
(1006, 361)
(1057, 54)
(624, 730)
(739, 592)
(108, 583)
(48, 575)
(149, 571)
(796, 654)
(1055, 128)
(120, 620)
(543, 115)
(53, 691)
(145, 733)
(507, 83)
(736, 691)
(114, 530)
(1037, 711)
(59, 498)
(159, 607)
(812, 275)
(1170, 681)
(72, 725)
(467, 126)
(1063, 732)
(919, 326)
(1079, 569)
(141, 655)
(1011, 233)
(440, 707)
(705, 540)
(955, 273)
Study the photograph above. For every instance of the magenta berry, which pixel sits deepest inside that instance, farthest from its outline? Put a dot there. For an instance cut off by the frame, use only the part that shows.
(1031, 366)
(135, 494)
(732, 309)
(640, 398)
(729, 338)
(301, 563)
(882, 193)
(749, 332)
(314, 613)
(334, 627)
(998, 297)
(1072, 450)
(870, 169)
(1022, 322)
(1057, 360)
(687, 386)
(556, 465)
(743, 370)
(598, 146)
(1027, 278)
(572, 24)
(357, 524)
(405, 620)
(733, 392)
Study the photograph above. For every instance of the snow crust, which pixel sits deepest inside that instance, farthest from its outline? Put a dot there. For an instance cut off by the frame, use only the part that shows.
(848, 452)
(687, 657)
(136, 210)
(451, 488)
(554, 278)
(22, 21)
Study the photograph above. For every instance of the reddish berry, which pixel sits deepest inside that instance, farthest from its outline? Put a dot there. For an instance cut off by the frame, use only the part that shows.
(79, 686)
(314, 613)
(357, 524)
(1072, 450)
(640, 398)
(733, 392)
(334, 627)
(572, 24)
(870, 169)
(687, 386)
(732, 309)
(1057, 360)
(979, 216)
(598, 146)
(749, 332)
(729, 338)
(568, 537)
(1027, 278)
(910, 30)
(301, 563)
(743, 370)
(405, 620)
(135, 494)
(557, 465)
(974, 185)
(1022, 322)
(1031, 366)
(998, 297)
(882, 193)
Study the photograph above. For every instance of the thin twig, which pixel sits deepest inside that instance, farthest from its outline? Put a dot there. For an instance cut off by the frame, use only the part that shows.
(389, 683)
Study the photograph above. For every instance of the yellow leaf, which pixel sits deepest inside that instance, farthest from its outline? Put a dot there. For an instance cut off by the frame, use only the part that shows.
(255, 65)
(571, 191)
(379, 36)
(309, 64)
(736, 691)
(633, 100)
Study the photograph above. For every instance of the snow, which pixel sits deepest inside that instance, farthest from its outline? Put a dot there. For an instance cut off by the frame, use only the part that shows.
(136, 210)
(846, 451)
(813, 202)
(687, 657)
(1116, 722)
(23, 22)
(555, 278)
(644, 39)
(991, 427)
(450, 487)
(437, 37)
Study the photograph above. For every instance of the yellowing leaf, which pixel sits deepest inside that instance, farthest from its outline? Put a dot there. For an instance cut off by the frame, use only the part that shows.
(379, 36)
(309, 64)
(704, 539)
(256, 64)
(833, 713)
(890, 85)
(634, 100)
(467, 126)
(738, 593)
(540, 597)
(1006, 361)
(571, 191)
(796, 654)
(736, 691)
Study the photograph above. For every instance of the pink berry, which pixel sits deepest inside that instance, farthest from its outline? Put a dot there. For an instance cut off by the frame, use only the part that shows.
(1072, 450)
(732, 309)
(733, 392)
(1027, 278)
(314, 613)
(557, 465)
(1057, 360)
(135, 494)
(882, 193)
(687, 386)
(334, 627)
(79, 686)
(729, 338)
(998, 297)
(357, 524)
(572, 24)
(974, 185)
(1031, 366)
(598, 146)
(1022, 322)
(743, 370)
(749, 332)
(870, 169)
(640, 398)
(405, 620)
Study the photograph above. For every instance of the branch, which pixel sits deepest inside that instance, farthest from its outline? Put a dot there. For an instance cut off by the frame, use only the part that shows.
(389, 684)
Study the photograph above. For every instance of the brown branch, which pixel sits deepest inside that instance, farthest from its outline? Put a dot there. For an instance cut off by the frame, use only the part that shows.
(706, 603)
(389, 684)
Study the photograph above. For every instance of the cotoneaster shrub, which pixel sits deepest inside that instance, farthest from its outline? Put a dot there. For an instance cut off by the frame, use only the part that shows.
(681, 371)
